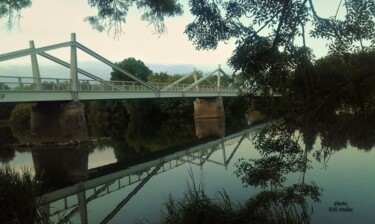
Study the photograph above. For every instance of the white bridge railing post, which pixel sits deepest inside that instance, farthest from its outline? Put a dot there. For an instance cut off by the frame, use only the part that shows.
(74, 67)
(196, 79)
(35, 68)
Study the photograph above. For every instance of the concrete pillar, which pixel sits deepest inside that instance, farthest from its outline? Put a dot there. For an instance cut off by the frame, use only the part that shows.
(35, 68)
(209, 108)
(74, 67)
(61, 166)
(58, 122)
(195, 80)
(210, 127)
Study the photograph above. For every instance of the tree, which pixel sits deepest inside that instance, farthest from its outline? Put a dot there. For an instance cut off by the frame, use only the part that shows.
(11, 10)
(270, 34)
(113, 12)
(161, 77)
(5, 110)
(351, 81)
(136, 67)
(273, 23)
(20, 122)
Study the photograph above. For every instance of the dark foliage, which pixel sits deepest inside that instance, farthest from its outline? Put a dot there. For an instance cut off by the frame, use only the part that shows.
(134, 66)
(19, 197)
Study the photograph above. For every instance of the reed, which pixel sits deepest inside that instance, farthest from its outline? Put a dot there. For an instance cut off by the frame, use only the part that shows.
(284, 205)
(197, 207)
(19, 197)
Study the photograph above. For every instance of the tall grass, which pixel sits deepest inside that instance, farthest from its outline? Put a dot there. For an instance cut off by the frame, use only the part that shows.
(277, 206)
(19, 197)
(285, 205)
(197, 207)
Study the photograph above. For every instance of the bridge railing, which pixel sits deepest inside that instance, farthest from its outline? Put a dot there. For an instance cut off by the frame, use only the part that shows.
(92, 85)
(11, 83)
(200, 88)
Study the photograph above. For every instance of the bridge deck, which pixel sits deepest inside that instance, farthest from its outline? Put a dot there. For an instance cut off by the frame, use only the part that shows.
(26, 89)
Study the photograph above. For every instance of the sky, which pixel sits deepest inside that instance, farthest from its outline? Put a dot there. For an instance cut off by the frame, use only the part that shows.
(52, 21)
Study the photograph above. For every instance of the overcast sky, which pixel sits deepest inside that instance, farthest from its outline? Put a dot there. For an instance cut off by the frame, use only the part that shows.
(51, 21)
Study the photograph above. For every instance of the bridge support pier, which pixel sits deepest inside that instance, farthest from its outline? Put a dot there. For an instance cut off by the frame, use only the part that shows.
(58, 122)
(209, 108)
(209, 117)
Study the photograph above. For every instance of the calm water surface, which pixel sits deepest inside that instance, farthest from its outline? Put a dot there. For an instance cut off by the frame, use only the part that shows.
(94, 183)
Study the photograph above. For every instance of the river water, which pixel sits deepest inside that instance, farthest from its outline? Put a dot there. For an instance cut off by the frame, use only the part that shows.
(126, 182)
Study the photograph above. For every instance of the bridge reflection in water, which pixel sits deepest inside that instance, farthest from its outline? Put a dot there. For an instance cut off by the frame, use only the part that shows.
(67, 202)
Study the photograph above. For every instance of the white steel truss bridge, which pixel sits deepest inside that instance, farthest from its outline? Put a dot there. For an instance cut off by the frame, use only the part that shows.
(92, 87)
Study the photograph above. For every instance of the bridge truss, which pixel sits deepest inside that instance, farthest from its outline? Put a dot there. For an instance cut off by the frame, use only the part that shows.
(92, 87)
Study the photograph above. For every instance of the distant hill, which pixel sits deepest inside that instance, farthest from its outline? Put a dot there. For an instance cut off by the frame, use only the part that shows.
(185, 68)
(49, 69)
(171, 69)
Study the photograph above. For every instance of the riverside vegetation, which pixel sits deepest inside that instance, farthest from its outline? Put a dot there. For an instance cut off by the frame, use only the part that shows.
(20, 200)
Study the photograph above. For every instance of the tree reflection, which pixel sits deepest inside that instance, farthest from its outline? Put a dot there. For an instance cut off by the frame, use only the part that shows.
(361, 131)
(6, 155)
(282, 154)
(284, 145)
(6, 136)
(336, 108)
(284, 205)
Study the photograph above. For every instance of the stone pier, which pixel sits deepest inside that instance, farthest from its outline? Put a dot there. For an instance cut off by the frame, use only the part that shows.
(208, 108)
(58, 122)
